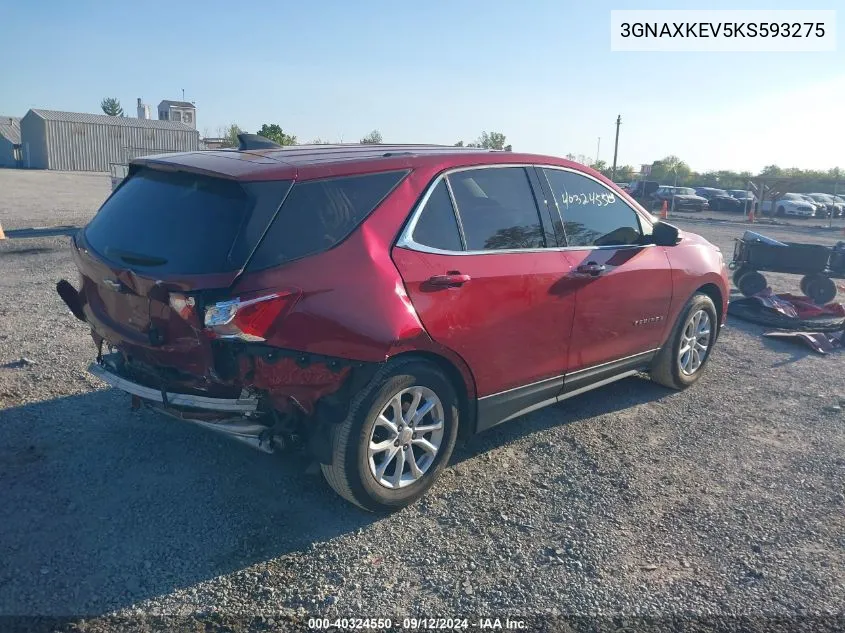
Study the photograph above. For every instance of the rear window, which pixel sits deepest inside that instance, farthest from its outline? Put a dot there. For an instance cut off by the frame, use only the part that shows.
(318, 214)
(182, 222)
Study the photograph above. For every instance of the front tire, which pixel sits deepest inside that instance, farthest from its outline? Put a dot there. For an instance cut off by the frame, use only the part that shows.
(681, 361)
(397, 438)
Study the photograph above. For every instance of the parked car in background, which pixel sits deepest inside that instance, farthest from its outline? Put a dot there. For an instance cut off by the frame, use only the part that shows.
(746, 198)
(831, 206)
(679, 198)
(719, 199)
(840, 204)
(819, 208)
(643, 189)
(375, 301)
(789, 204)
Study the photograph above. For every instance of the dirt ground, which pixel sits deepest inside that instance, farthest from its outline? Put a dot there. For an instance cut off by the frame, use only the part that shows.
(722, 501)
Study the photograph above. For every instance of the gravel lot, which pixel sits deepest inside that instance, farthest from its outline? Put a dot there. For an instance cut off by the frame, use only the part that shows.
(725, 500)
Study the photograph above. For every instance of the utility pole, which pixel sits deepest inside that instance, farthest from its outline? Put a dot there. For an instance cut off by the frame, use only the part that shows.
(616, 147)
(598, 148)
(183, 94)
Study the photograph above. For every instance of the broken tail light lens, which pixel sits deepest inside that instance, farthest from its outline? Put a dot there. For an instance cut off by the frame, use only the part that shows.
(182, 305)
(248, 319)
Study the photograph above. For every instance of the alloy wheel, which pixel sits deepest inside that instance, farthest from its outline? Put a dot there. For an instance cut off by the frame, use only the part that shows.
(406, 437)
(695, 342)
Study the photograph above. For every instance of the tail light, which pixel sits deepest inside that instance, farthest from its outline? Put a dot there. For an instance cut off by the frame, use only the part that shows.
(182, 305)
(249, 319)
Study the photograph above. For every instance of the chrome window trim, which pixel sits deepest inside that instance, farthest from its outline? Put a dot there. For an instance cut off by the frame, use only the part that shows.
(406, 239)
(462, 238)
(638, 215)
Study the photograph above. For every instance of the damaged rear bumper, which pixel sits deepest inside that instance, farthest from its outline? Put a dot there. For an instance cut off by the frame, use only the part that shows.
(243, 404)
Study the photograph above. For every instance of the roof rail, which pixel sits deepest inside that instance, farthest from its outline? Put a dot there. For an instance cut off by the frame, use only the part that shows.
(255, 141)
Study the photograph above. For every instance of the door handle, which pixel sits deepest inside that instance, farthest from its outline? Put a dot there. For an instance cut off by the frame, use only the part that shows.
(591, 268)
(449, 280)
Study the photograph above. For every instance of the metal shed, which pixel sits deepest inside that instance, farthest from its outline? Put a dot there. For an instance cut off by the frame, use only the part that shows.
(75, 141)
(10, 141)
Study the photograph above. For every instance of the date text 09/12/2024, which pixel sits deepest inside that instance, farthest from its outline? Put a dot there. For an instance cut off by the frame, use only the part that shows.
(416, 624)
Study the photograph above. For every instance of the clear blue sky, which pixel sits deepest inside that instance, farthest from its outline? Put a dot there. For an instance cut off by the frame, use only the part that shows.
(541, 71)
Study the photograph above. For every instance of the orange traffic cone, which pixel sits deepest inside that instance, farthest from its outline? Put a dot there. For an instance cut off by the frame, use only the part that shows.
(751, 215)
(664, 211)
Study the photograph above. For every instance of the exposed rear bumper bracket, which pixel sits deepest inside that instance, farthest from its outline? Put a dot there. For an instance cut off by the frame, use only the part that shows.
(239, 405)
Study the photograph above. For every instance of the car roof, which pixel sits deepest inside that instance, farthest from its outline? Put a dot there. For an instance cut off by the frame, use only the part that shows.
(319, 161)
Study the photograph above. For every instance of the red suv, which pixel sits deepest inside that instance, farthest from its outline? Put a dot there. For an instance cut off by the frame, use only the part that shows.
(374, 301)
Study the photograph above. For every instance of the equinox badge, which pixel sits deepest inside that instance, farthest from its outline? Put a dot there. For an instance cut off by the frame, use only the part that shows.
(646, 321)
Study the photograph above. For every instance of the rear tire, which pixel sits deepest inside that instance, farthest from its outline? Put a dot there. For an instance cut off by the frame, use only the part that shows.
(738, 273)
(820, 288)
(803, 285)
(751, 283)
(683, 357)
(781, 212)
(373, 443)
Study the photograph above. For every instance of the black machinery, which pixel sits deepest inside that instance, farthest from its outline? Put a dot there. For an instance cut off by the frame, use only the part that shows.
(818, 265)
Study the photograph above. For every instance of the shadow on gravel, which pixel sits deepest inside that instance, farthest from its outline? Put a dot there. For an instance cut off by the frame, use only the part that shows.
(36, 250)
(614, 397)
(104, 507)
(107, 507)
(52, 231)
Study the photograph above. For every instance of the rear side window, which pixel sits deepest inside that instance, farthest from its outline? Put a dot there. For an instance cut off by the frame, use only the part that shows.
(593, 215)
(318, 214)
(437, 226)
(160, 221)
(497, 209)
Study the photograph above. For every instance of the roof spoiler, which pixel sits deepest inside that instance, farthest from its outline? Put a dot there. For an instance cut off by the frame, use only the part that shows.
(255, 141)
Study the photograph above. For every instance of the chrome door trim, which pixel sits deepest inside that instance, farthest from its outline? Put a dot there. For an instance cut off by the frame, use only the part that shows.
(406, 239)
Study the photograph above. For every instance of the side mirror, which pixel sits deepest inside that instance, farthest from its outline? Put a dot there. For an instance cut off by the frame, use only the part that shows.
(664, 234)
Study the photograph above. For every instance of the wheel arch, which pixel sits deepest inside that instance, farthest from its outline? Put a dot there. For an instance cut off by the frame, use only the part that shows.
(467, 405)
(714, 292)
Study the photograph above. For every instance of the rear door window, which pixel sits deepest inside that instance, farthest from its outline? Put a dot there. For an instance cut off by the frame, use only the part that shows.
(161, 221)
(593, 215)
(318, 214)
(437, 226)
(497, 209)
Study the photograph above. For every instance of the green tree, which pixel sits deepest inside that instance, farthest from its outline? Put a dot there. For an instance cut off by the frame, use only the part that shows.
(274, 132)
(665, 170)
(459, 144)
(111, 106)
(625, 173)
(319, 141)
(493, 140)
(229, 134)
(373, 138)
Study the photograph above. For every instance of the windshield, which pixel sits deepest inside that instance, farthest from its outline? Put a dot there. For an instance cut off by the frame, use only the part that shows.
(183, 222)
(685, 191)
